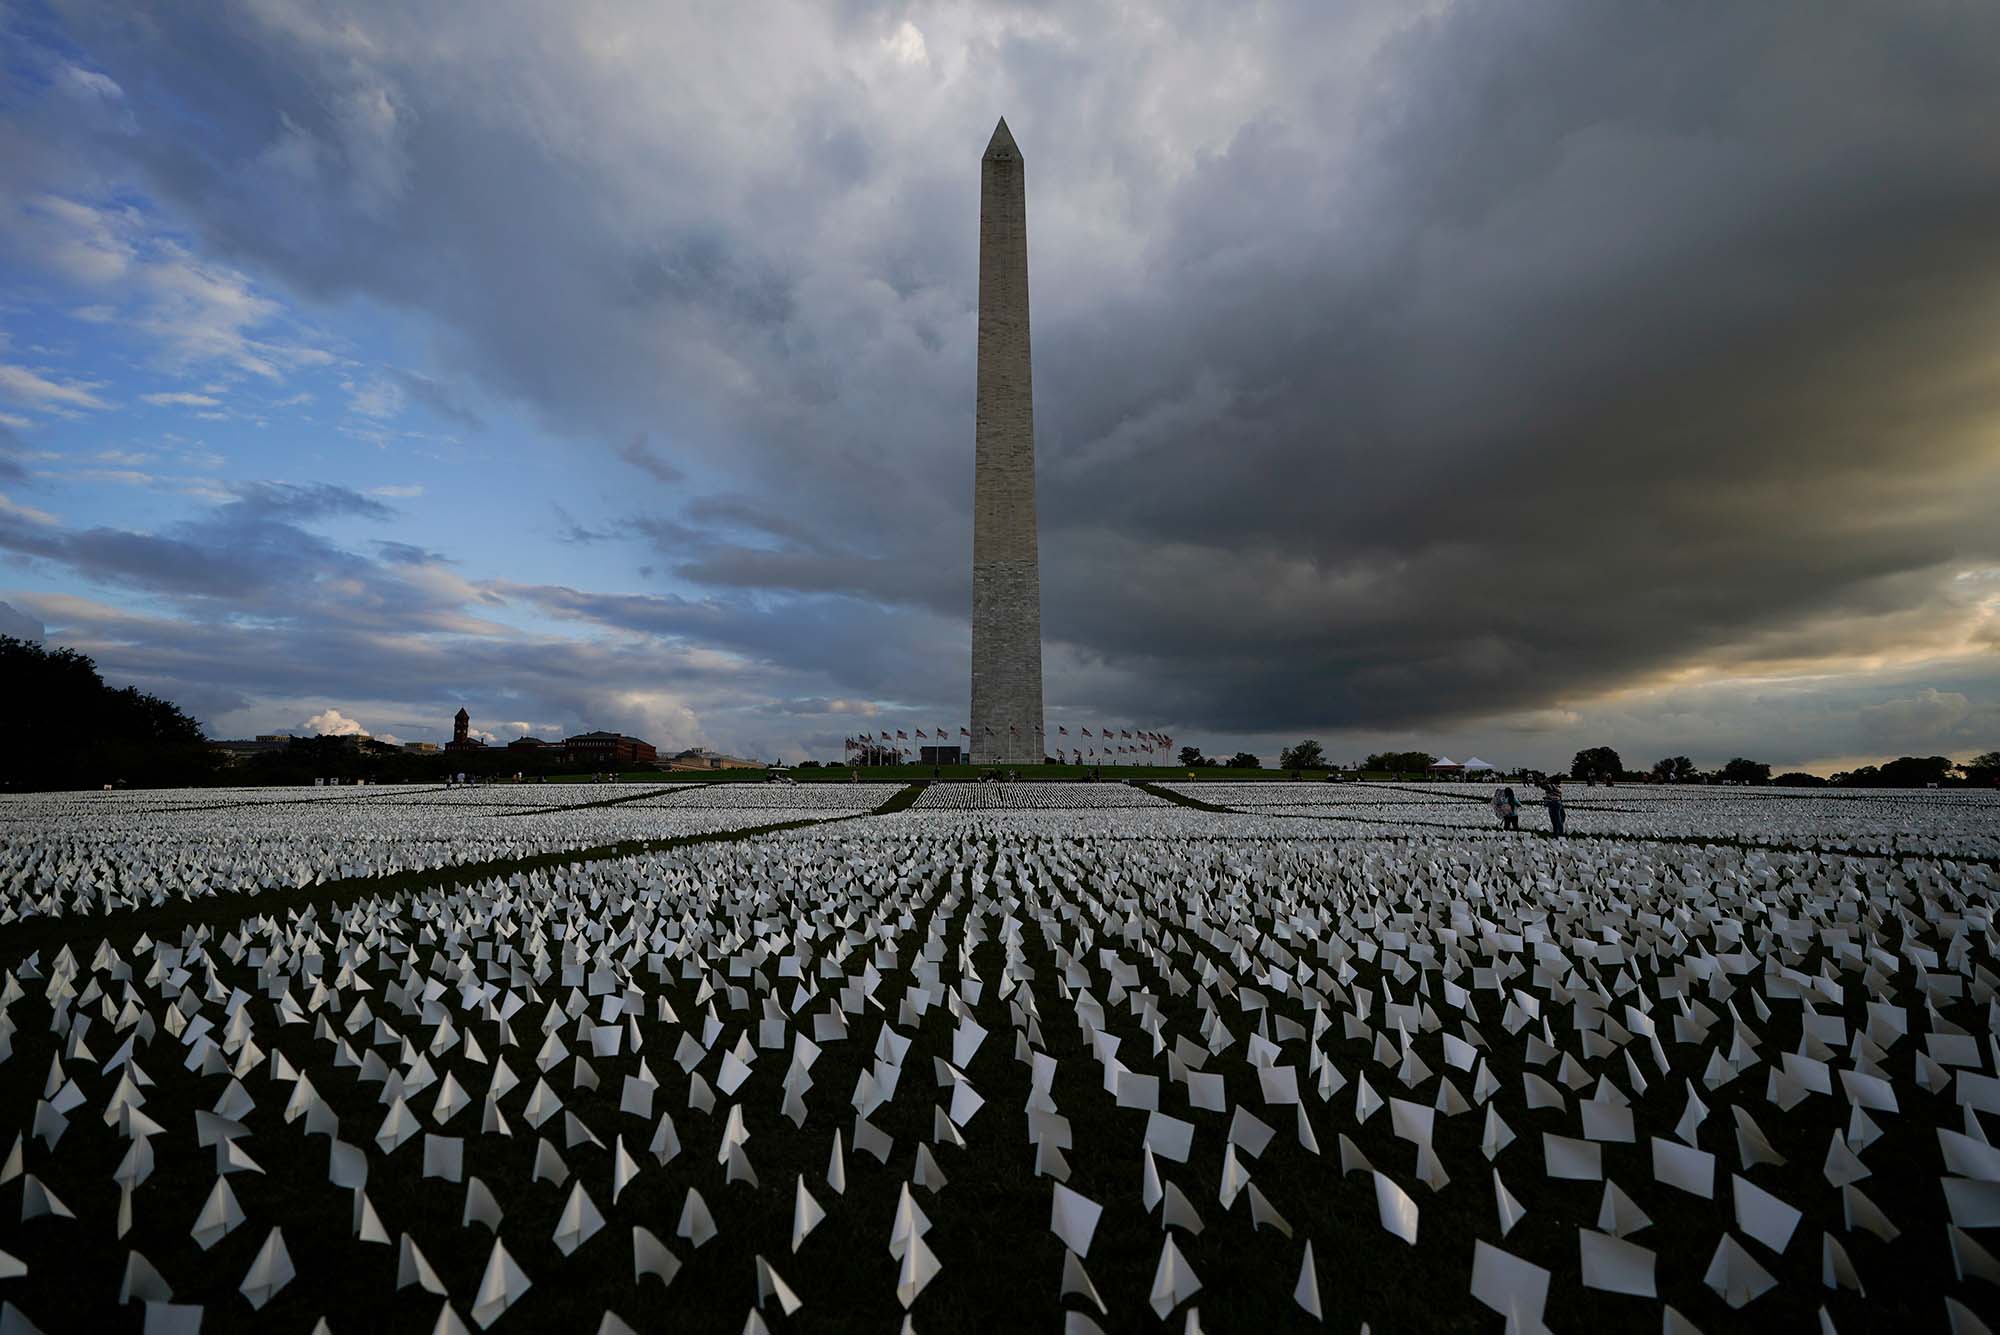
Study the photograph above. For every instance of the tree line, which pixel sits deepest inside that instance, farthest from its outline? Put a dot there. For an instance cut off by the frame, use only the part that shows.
(1192, 757)
(78, 732)
(1603, 764)
(70, 730)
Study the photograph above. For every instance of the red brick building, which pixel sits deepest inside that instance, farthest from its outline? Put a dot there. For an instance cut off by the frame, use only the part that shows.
(610, 750)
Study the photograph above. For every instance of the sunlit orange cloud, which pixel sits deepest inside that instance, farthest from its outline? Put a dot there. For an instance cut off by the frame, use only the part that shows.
(1961, 628)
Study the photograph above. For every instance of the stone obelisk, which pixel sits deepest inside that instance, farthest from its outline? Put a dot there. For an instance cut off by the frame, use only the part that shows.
(1006, 572)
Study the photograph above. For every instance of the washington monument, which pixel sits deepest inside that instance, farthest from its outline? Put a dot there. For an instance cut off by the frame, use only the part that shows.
(1006, 572)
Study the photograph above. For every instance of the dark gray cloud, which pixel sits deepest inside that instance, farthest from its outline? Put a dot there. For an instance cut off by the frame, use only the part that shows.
(295, 502)
(268, 616)
(439, 398)
(11, 450)
(639, 452)
(244, 554)
(1393, 371)
(1619, 361)
(408, 554)
(853, 645)
(399, 642)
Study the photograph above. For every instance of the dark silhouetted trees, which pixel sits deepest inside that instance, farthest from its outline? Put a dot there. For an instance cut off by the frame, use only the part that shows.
(1674, 769)
(344, 758)
(1597, 762)
(1902, 772)
(1400, 762)
(70, 730)
(1306, 755)
(1740, 770)
(1917, 772)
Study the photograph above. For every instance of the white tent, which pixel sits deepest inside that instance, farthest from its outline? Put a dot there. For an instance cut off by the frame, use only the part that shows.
(1475, 764)
(1444, 762)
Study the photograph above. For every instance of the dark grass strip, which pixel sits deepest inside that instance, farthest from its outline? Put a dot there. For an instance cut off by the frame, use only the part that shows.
(1473, 831)
(650, 790)
(168, 921)
(1182, 800)
(902, 800)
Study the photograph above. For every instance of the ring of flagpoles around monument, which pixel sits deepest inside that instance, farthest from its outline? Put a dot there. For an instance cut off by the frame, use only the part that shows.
(1732, 1055)
(1079, 746)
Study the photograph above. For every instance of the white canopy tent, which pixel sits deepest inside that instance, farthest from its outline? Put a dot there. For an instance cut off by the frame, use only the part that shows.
(1444, 762)
(1476, 765)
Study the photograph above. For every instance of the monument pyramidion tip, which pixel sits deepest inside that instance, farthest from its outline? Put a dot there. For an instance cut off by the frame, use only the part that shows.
(1002, 144)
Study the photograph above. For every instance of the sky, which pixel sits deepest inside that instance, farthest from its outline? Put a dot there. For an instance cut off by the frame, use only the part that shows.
(1474, 377)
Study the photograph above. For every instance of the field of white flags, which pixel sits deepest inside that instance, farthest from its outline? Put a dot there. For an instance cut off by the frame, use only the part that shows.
(80, 853)
(1060, 1057)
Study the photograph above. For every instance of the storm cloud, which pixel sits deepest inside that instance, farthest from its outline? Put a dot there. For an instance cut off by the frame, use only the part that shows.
(1476, 370)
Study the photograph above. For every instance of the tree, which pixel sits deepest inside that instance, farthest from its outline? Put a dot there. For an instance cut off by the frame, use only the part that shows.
(1192, 757)
(1916, 772)
(1740, 770)
(1799, 779)
(1400, 762)
(1244, 760)
(1674, 769)
(79, 733)
(1983, 769)
(1597, 762)
(1864, 776)
(1306, 755)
